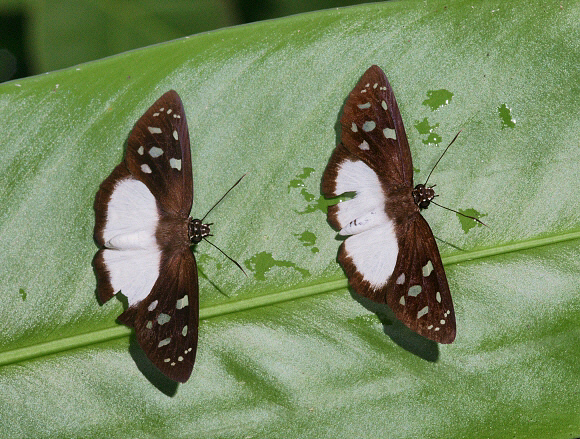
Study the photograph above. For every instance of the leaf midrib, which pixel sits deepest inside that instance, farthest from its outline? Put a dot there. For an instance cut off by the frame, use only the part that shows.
(120, 331)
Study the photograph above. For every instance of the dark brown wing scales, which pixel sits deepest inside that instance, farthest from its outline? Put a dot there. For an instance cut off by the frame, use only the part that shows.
(166, 322)
(418, 291)
(373, 131)
(159, 155)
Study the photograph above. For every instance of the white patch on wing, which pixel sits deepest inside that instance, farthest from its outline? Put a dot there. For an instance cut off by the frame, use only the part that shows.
(372, 245)
(356, 176)
(133, 272)
(374, 253)
(365, 222)
(132, 256)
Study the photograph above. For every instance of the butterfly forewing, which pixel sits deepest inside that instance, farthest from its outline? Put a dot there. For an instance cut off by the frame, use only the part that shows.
(158, 154)
(142, 213)
(382, 222)
(372, 128)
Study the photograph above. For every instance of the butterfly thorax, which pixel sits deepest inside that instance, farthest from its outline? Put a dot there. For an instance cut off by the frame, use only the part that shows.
(422, 195)
(197, 230)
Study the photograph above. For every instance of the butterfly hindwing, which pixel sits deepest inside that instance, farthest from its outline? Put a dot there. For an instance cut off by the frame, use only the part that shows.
(418, 292)
(166, 322)
(159, 155)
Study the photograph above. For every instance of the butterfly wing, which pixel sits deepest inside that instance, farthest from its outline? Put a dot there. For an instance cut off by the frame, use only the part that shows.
(159, 155)
(127, 216)
(417, 291)
(166, 321)
(142, 210)
(373, 161)
(373, 131)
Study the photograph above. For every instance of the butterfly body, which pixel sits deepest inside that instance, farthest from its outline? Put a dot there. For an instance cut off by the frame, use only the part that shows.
(144, 232)
(390, 254)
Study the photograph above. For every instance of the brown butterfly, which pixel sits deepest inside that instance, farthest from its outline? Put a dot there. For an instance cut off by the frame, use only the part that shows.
(145, 232)
(390, 254)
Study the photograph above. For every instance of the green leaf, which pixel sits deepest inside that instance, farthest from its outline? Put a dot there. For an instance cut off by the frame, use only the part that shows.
(289, 352)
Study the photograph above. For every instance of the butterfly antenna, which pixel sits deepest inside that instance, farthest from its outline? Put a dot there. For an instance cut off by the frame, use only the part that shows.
(223, 253)
(462, 214)
(218, 201)
(441, 157)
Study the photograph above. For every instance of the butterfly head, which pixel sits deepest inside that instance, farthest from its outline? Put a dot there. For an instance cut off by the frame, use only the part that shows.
(423, 195)
(197, 230)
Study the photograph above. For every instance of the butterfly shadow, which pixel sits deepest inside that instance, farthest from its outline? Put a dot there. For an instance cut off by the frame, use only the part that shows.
(148, 369)
(145, 366)
(410, 341)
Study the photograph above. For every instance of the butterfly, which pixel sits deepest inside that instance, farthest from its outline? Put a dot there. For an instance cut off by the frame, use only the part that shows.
(144, 232)
(390, 254)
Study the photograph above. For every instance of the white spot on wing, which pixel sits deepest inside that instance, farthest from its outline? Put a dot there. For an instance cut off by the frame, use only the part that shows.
(155, 114)
(401, 279)
(152, 305)
(163, 318)
(146, 169)
(164, 342)
(354, 128)
(415, 290)
(364, 106)
(384, 105)
(182, 303)
(438, 297)
(390, 133)
(155, 152)
(184, 331)
(422, 312)
(175, 164)
(364, 146)
(427, 269)
(369, 125)
(402, 300)
(175, 136)
(132, 256)
(169, 111)
(141, 150)
(154, 130)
